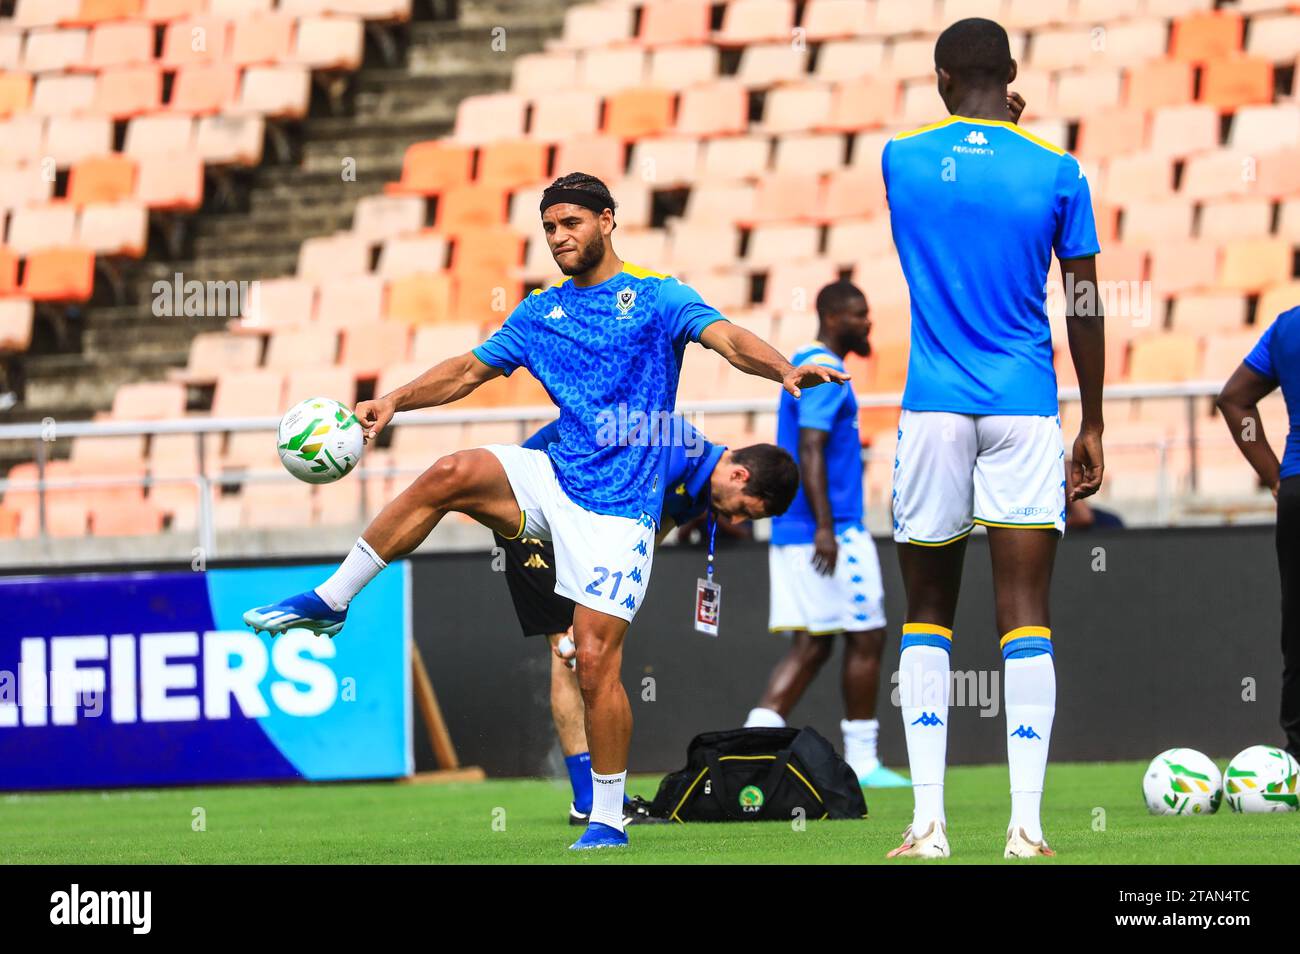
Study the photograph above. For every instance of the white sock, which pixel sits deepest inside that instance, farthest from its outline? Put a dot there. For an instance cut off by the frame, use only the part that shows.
(764, 719)
(1030, 694)
(923, 684)
(359, 567)
(607, 799)
(860, 745)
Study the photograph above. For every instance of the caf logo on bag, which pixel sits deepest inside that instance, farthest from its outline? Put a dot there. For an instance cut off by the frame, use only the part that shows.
(751, 798)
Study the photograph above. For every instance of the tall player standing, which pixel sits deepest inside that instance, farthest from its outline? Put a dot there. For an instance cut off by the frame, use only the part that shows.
(607, 344)
(978, 206)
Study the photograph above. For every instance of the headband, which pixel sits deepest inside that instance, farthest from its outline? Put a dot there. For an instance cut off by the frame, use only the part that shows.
(588, 200)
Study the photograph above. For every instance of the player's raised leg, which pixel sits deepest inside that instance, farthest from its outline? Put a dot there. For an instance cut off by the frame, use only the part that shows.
(472, 482)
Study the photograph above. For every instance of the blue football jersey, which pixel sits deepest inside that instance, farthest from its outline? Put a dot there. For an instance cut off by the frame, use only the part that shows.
(1277, 357)
(690, 465)
(832, 408)
(977, 207)
(610, 356)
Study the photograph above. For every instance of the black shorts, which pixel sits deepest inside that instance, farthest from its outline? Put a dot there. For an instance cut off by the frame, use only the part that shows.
(530, 575)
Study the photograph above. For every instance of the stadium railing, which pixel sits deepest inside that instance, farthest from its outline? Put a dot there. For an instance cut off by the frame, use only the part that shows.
(208, 476)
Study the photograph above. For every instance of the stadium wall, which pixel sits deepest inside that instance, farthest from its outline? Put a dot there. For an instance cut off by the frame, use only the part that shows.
(1155, 631)
(1164, 637)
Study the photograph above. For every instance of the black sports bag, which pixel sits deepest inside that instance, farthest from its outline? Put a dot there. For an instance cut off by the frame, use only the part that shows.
(760, 775)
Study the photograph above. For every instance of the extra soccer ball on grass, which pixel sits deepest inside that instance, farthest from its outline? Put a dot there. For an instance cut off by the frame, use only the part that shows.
(1262, 779)
(1182, 782)
(319, 440)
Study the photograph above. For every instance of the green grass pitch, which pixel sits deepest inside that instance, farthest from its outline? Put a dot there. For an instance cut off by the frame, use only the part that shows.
(1093, 815)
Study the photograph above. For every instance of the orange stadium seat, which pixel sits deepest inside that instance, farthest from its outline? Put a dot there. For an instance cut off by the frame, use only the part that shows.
(378, 217)
(15, 313)
(765, 65)
(69, 139)
(286, 349)
(1140, 176)
(1159, 83)
(634, 113)
(263, 39)
(30, 13)
(681, 67)
(674, 21)
(752, 21)
(413, 253)
(330, 43)
(102, 179)
(228, 139)
(343, 301)
(333, 256)
(63, 95)
(21, 137)
(195, 40)
(40, 227)
(1265, 128)
(1254, 264)
(96, 11)
(430, 167)
(1112, 133)
(167, 10)
(833, 19)
(370, 346)
(557, 115)
(596, 25)
(1146, 222)
(1224, 219)
(666, 161)
(124, 43)
(149, 401)
(538, 72)
(863, 104)
(170, 181)
(490, 116)
(809, 152)
(117, 228)
(434, 343)
(1184, 130)
(501, 248)
(1279, 173)
(1207, 35)
(212, 352)
(204, 88)
(609, 71)
(485, 295)
(127, 91)
(1237, 81)
(853, 193)
(282, 302)
(55, 51)
(147, 135)
(247, 393)
(1164, 357)
(513, 163)
(59, 274)
(420, 298)
(120, 518)
(789, 196)
(795, 108)
(333, 382)
(471, 206)
(15, 93)
(280, 91)
(1207, 312)
(1179, 266)
(719, 109)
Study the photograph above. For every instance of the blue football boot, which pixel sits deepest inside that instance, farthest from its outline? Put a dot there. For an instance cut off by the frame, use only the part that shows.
(304, 611)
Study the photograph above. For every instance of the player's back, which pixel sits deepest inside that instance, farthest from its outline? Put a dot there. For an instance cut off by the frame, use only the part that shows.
(977, 208)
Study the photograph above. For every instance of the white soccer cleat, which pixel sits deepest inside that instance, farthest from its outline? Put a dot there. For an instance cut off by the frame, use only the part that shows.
(1020, 846)
(932, 844)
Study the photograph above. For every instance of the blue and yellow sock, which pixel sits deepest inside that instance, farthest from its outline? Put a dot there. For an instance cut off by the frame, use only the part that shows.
(579, 767)
(1029, 680)
(924, 679)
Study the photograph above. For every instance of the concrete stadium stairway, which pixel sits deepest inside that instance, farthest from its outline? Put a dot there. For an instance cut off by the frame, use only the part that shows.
(254, 220)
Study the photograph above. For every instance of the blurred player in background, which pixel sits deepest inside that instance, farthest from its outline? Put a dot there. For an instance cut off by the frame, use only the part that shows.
(745, 484)
(607, 344)
(825, 574)
(977, 208)
(1274, 362)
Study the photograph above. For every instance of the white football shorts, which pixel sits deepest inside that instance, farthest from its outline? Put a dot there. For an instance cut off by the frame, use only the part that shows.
(952, 471)
(601, 562)
(851, 600)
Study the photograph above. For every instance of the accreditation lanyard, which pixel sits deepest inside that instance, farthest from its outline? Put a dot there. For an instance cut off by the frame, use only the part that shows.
(708, 595)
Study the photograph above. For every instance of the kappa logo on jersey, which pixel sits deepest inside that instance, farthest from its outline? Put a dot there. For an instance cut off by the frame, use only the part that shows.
(977, 138)
(928, 719)
(625, 299)
(1025, 733)
(556, 312)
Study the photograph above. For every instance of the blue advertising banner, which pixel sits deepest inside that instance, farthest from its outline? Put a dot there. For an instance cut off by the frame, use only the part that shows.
(153, 679)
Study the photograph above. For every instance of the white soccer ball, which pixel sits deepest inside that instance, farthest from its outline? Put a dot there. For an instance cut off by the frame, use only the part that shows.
(319, 440)
(1263, 779)
(1182, 782)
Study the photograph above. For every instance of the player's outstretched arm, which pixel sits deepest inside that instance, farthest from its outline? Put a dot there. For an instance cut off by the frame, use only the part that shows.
(445, 382)
(1239, 402)
(749, 353)
(1085, 327)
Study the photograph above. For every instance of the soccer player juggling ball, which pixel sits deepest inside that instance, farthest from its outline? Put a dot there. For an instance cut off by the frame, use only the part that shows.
(977, 208)
(606, 339)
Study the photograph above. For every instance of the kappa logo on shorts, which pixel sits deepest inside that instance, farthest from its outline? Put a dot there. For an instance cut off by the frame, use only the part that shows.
(640, 548)
(928, 719)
